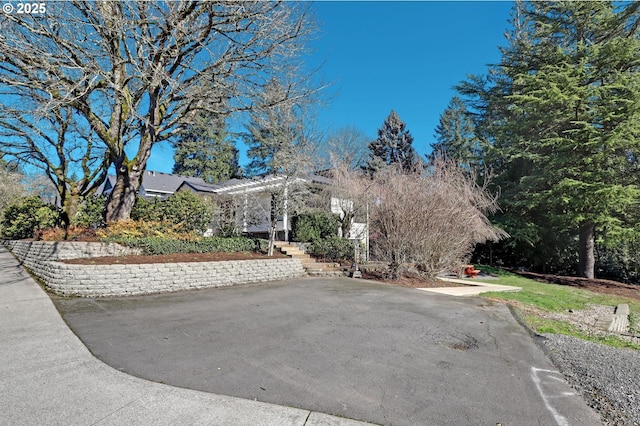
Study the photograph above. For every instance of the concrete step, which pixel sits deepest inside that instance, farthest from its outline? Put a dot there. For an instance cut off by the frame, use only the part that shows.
(619, 324)
(620, 320)
(310, 265)
(292, 251)
(622, 309)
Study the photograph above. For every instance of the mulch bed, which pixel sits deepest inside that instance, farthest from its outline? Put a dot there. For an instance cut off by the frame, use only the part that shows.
(172, 258)
(408, 281)
(596, 285)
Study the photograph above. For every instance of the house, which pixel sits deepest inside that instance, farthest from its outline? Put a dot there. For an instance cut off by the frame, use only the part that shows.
(248, 201)
(154, 184)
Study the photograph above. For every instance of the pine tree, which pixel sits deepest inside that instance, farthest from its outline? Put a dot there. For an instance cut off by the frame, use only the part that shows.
(206, 151)
(563, 114)
(393, 146)
(455, 135)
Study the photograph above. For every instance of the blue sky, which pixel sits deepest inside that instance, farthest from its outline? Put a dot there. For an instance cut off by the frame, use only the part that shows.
(405, 56)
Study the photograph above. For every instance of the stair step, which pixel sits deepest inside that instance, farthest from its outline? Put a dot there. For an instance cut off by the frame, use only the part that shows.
(303, 257)
(311, 266)
(292, 251)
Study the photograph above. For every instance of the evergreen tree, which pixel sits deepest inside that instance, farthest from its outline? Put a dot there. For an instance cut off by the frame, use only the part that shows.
(455, 135)
(393, 146)
(206, 151)
(277, 145)
(562, 112)
(276, 136)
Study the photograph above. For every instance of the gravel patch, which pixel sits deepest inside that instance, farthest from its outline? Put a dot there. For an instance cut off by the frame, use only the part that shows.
(608, 378)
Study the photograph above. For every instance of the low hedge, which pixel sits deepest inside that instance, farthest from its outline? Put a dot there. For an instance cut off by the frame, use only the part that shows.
(158, 245)
(309, 227)
(333, 249)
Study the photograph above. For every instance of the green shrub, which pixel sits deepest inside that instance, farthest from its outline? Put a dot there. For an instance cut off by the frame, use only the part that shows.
(309, 227)
(333, 249)
(184, 207)
(160, 245)
(91, 212)
(145, 210)
(21, 219)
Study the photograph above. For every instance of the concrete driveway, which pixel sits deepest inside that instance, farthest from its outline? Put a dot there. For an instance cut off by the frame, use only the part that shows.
(350, 348)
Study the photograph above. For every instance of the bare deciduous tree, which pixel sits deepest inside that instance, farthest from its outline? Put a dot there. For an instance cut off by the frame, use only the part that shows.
(429, 219)
(279, 142)
(138, 71)
(349, 144)
(11, 187)
(62, 148)
(350, 194)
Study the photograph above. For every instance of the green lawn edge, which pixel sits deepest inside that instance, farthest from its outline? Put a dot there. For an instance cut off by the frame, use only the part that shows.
(558, 298)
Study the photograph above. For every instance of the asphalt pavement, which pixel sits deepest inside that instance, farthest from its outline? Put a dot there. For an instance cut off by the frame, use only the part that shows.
(48, 377)
(349, 348)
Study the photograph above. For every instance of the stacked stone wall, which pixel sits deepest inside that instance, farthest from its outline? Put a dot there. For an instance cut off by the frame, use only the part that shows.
(42, 259)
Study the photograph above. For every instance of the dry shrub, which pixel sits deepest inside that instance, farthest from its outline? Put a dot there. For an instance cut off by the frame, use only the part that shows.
(428, 218)
(73, 233)
(140, 229)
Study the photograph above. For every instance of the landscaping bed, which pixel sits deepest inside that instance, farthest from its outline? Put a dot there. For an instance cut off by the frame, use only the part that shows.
(173, 258)
(409, 281)
(595, 285)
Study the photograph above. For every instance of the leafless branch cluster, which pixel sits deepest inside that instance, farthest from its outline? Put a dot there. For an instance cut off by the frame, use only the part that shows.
(430, 219)
(135, 72)
(11, 188)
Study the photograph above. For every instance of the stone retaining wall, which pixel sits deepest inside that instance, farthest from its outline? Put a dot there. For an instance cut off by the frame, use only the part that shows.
(27, 251)
(125, 280)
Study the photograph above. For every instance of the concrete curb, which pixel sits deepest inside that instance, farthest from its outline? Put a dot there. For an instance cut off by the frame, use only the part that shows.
(50, 377)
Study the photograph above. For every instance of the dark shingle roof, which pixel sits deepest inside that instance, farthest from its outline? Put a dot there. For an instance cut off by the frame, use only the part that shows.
(164, 182)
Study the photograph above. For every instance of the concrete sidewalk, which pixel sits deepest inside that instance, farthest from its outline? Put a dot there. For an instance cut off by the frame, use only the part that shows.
(49, 377)
(473, 288)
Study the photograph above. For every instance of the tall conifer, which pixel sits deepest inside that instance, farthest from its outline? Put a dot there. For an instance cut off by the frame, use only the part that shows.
(562, 112)
(205, 150)
(455, 135)
(392, 146)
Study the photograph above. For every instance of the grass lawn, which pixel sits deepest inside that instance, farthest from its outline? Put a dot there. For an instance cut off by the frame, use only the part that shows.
(559, 298)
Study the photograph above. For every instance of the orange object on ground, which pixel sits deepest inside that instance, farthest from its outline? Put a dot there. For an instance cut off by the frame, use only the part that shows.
(471, 271)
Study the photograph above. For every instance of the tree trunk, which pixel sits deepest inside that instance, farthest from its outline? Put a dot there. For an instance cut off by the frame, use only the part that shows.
(273, 224)
(123, 195)
(587, 261)
(394, 266)
(345, 224)
(69, 209)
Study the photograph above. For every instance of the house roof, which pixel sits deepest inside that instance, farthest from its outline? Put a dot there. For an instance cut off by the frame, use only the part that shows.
(154, 182)
(106, 186)
(165, 183)
(210, 188)
(255, 184)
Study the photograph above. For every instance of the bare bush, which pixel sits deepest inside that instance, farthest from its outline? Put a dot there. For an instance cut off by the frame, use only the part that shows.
(11, 188)
(430, 219)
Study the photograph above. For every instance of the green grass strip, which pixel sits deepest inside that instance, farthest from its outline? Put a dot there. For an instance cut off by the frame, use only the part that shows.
(559, 298)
